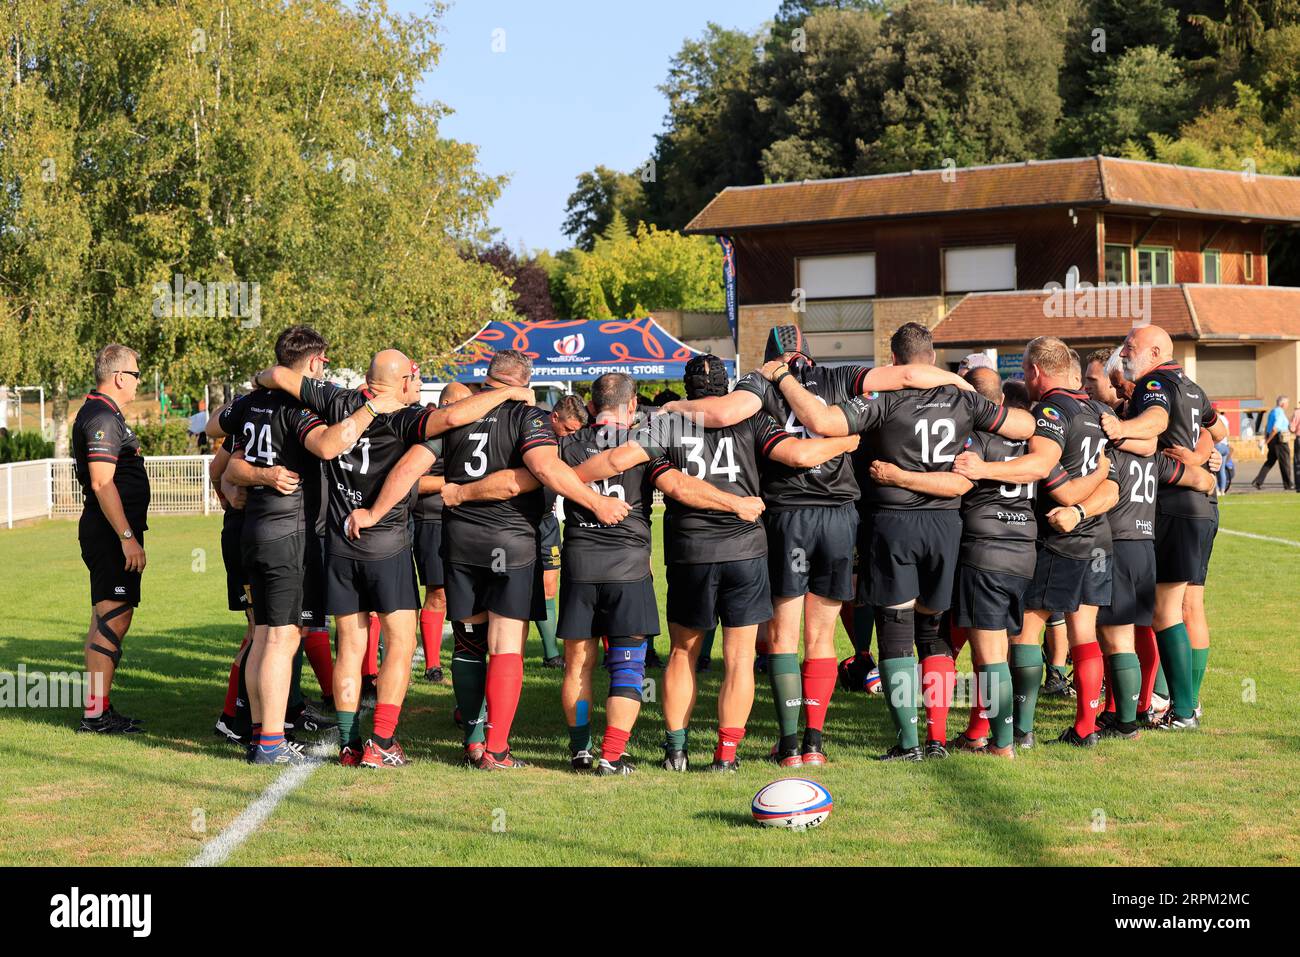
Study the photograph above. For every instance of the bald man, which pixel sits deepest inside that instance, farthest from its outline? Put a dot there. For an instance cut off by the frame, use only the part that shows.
(1168, 406)
(375, 573)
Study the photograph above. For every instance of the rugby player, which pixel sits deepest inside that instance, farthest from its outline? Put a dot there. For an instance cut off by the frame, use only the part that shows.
(490, 557)
(375, 573)
(110, 470)
(717, 564)
(1167, 405)
(995, 567)
(606, 586)
(811, 522)
(281, 442)
(909, 554)
(235, 722)
(1072, 570)
(568, 416)
(427, 549)
(1132, 525)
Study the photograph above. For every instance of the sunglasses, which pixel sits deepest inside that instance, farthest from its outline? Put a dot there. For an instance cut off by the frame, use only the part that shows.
(128, 372)
(415, 372)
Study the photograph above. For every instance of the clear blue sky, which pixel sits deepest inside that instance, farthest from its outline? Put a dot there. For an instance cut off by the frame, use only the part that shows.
(575, 87)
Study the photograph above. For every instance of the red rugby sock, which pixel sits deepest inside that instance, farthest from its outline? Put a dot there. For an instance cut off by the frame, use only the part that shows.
(1148, 653)
(1110, 685)
(819, 676)
(431, 636)
(1088, 669)
(232, 683)
(978, 725)
(938, 684)
(728, 740)
(614, 744)
(505, 679)
(317, 648)
(386, 716)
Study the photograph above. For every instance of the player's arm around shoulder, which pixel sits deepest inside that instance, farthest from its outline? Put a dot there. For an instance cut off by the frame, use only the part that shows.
(829, 420)
(500, 486)
(807, 453)
(718, 411)
(472, 408)
(243, 473)
(932, 484)
(1150, 403)
(414, 462)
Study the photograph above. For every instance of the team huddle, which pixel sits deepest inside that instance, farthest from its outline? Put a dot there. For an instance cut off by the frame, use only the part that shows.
(928, 508)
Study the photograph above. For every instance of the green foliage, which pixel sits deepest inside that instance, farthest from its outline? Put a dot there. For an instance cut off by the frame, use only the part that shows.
(628, 275)
(271, 143)
(24, 447)
(164, 438)
(599, 194)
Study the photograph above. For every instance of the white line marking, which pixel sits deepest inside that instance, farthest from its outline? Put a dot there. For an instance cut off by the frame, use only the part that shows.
(1260, 538)
(241, 828)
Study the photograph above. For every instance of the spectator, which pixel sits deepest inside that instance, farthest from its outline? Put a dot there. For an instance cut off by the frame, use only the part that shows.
(1277, 434)
(1228, 470)
(198, 425)
(1295, 446)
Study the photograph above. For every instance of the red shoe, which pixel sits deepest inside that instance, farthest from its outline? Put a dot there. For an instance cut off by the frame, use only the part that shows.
(474, 753)
(785, 759)
(507, 762)
(349, 757)
(813, 756)
(373, 756)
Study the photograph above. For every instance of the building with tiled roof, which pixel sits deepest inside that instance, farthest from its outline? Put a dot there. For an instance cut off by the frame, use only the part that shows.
(973, 252)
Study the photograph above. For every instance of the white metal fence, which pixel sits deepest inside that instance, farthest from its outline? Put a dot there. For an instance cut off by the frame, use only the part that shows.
(47, 488)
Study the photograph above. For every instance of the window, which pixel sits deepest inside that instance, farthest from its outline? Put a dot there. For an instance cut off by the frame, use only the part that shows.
(979, 268)
(1210, 266)
(1155, 265)
(1117, 259)
(837, 277)
(1250, 266)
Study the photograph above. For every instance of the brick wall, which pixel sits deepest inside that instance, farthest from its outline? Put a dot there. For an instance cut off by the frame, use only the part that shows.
(755, 322)
(892, 313)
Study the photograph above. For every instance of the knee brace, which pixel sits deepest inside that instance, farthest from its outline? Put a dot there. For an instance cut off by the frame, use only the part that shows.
(625, 662)
(895, 632)
(929, 643)
(469, 642)
(114, 652)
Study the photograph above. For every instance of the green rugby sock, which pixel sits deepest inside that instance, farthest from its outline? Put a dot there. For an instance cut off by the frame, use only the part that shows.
(787, 695)
(469, 684)
(580, 733)
(550, 646)
(1126, 685)
(1026, 679)
(349, 728)
(1000, 703)
(677, 739)
(1176, 656)
(1200, 658)
(898, 678)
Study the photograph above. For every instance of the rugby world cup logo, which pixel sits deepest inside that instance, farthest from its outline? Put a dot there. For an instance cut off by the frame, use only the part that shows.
(570, 345)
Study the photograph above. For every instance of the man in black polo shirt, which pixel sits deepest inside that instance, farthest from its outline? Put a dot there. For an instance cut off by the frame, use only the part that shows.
(110, 470)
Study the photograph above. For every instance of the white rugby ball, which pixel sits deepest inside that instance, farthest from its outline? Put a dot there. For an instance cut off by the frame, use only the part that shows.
(794, 803)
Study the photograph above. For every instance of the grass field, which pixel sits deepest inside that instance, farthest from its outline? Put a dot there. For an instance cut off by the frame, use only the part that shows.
(1224, 796)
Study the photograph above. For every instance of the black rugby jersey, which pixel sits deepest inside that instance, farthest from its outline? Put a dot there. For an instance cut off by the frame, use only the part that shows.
(1133, 517)
(727, 459)
(831, 483)
(357, 475)
(999, 527)
(1190, 410)
(100, 434)
(428, 508)
(919, 430)
(495, 534)
(607, 553)
(1070, 420)
(272, 427)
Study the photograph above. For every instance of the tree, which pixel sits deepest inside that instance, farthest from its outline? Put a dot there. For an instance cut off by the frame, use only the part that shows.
(529, 282)
(628, 274)
(591, 206)
(277, 147)
(1141, 95)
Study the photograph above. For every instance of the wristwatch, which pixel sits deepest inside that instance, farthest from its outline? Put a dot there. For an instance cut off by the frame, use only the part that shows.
(127, 535)
(371, 409)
